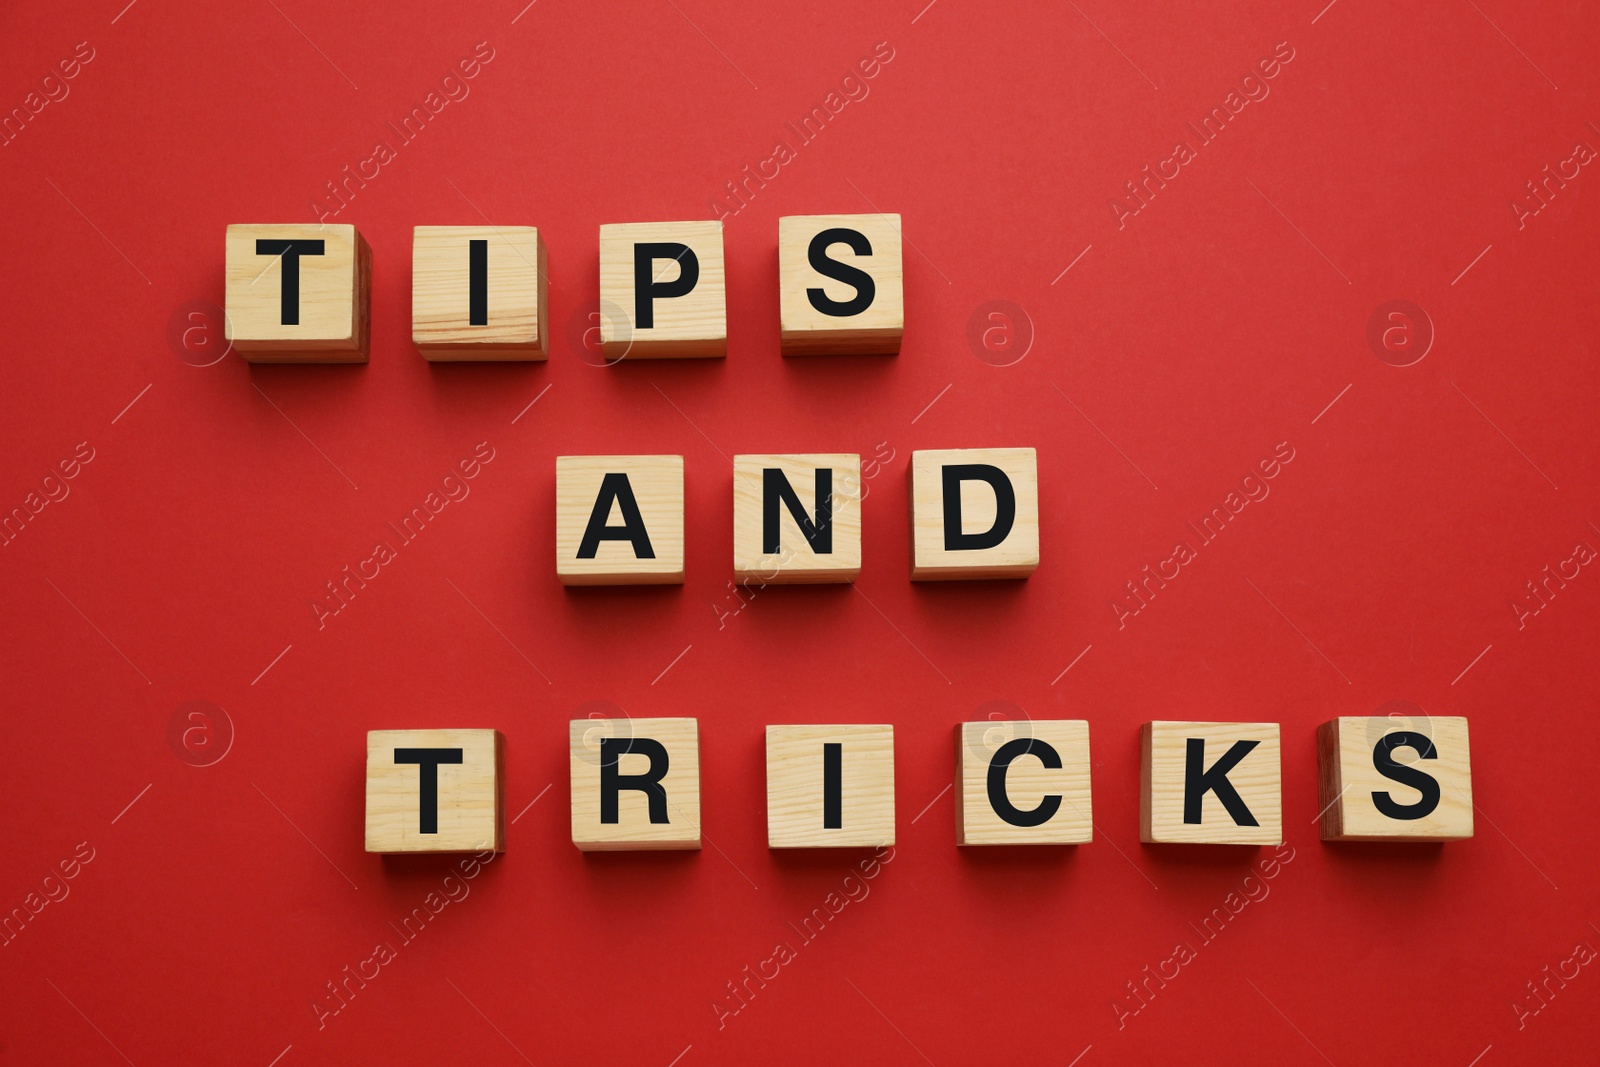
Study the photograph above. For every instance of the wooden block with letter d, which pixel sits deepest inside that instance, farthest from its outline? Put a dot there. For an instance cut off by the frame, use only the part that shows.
(1395, 779)
(635, 783)
(974, 513)
(298, 293)
(840, 286)
(619, 520)
(1023, 783)
(435, 791)
(478, 292)
(663, 294)
(830, 786)
(1215, 783)
(797, 518)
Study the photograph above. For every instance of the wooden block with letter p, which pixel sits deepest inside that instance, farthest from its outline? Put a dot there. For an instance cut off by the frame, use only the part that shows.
(830, 786)
(1023, 783)
(478, 293)
(840, 286)
(1215, 783)
(619, 520)
(974, 513)
(298, 293)
(635, 783)
(435, 791)
(663, 293)
(1395, 779)
(797, 518)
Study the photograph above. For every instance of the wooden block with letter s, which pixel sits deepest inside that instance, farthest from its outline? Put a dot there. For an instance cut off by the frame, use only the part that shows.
(1023, 783)
(479, 293)
(840, 284)
(435, 791)
(663, 293)
(635, 783)
(1395, 779)
(298, 293)
(974, 513)
(797, 518)
(1217, 783)
(619, 520)
(830, 786)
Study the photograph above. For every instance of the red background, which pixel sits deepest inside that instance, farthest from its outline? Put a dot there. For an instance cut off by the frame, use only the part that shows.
(1219, 321)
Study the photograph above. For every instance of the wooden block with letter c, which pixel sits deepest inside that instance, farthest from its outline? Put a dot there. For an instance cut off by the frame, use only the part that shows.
(1023, 783)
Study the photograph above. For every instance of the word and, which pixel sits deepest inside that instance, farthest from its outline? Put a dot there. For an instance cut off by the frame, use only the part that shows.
(1542, 590)
(54, 888)
(54, 489)
(1542, 189)
(55, 91)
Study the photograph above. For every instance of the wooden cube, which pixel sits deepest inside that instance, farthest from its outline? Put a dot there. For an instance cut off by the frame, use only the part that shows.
(619, 520)
(839, 284)
(1216, 783)
(1395, 779)
(479, 293)
(1023, 783)
(974, 513)
(662, 290)
(435, 791)
(797, 518)
(830, 786)
(635, 783)
(298, 293)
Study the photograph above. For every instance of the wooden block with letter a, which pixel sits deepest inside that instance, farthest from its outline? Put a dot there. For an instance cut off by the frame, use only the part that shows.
(840, 287)
(619, 520)
(1023, 783)
(478, 292)
(830, 786)
(1395, 779)
(635, 783)
(435, 791)
(1216, 783)
(663, 294)
(797, 518)
(298, 293)
(974, 513)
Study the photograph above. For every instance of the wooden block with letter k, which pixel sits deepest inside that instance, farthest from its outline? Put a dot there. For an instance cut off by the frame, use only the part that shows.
(1215, 783)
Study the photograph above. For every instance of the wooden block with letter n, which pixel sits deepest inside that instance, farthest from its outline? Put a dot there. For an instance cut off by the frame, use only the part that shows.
(797, 518)
(1023, 783)
(619, 520)
(1395, 779)
(478, 292)
(663, 293)
(635, 783)
(298, 293)
(435, 791)
(840, 286)
(830, 786)
(1214, 783)
(974, 513)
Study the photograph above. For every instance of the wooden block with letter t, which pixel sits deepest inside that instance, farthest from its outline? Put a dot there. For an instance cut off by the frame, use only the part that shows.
(635, 783)
(298, 293)
(435, 791)
(663, 294)
(830, 786)
(1023, 783)
(619, 520)
(797, 518)
(478, 292)
(1395, 779)
(974, 513)
(840, 287)
(1216, 783)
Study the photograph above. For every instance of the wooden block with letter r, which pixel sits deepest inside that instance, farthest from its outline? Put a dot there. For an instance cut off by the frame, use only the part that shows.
(974, 513)
(1385, 778)
(298, 293)
(840, 284)
(435, 791)
(830, 786)
(478, 293)
(663, 294)
(619, 520)
(635, 783)
(797, 518)
(1023, 783)
(1216, 783)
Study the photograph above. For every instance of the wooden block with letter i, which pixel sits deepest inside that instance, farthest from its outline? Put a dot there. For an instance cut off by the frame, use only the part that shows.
(974, 513)
(298, 293)
(635, 783)
(435, 791)
(1214, 783)
(1395, 779)
(797, 519)
(478, 293)
(663, 294)
(830, 786)
(619, 520)
(840, 286)
(1023, 783)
